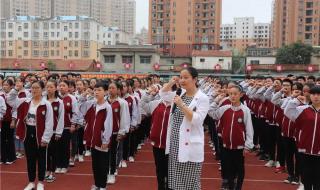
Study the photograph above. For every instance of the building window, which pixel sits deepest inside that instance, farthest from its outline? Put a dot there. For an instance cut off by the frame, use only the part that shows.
(45, 53)
(126, 59)
(70, 53)
(145, 59)
(70, 34)
(10, 53)
(76, 44)
(202, 60)
(221, 60)
(109, 58)
(52, 43)
(10, 43)
(76, 25)
(25, 34)
(52, 52)
(35, 53)
(85, 53)
(65, 28)
(86, 43)
(254, 62)
(76, 34)
(25, 52)
(25, 44)
(76, 53)
(57, 52)
(10, 25)
(10, 34)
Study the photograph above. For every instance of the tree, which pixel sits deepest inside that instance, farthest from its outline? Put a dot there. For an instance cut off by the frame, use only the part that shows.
(51, 65)
(296, 53)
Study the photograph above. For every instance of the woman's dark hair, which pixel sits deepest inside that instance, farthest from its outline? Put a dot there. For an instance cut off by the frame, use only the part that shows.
(130, 82)
(21, 78)
(82, 81)
(315, 90)
(270, 77)
(72, 83)
(40, 83)
(9, 81)
(101, 84)
(298, 85)
(1, 76)
(192, 71)
(117, 84)
(55, 83)
(238, 87)
(277, 79)
(66, 82)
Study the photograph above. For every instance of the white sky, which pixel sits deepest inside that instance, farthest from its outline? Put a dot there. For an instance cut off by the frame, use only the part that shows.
(259, 9)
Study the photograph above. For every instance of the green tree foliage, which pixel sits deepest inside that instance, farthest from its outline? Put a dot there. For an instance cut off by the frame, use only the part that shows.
(296, 53)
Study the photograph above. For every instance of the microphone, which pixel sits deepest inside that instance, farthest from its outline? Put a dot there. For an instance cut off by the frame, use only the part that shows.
(178, 93)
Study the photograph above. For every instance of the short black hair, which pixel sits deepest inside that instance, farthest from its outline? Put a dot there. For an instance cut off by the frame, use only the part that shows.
(315, 90)
(312, 78)
(298, 85)
(9, 81)
(1, 76)
(290, 75)
(301, 77)
(40, 82)
(288, 81)
(101, 84)
(270, 77)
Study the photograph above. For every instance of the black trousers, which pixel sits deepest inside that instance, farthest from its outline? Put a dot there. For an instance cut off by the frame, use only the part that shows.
(271, 141)
(234, 168)
(74, 143)
(260, 132)
(310, 172)
(34, 153)
(222, 158)
(52, 155)
(129, 145)
(292, 157)
(100, 165)
(161, 161)
(255, 124)
(8, 152)
(280, 147)
(80, 141)
(63, 145)
(113, 151)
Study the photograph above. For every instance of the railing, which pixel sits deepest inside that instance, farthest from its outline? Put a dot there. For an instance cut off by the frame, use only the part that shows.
(285, 67)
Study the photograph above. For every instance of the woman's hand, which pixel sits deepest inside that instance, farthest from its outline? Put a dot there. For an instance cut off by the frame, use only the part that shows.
(178, 101)
(104, 146)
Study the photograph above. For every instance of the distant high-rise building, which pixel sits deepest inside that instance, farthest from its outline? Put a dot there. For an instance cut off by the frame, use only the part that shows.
(179, 27)
(244, 32)
(118, 13)
(295, 20)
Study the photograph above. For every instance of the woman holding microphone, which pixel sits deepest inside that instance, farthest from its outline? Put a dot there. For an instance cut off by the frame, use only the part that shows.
(185, 135)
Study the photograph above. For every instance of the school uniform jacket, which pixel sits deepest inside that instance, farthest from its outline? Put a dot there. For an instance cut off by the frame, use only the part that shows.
(121, 116)
(236, 125)
(160, 112)
(133, 110)
(71, 114)
(3, 109)
(99, 124)
(44, 120)
(58, 116)
(191, 140)
(10, 103)
(307, 120)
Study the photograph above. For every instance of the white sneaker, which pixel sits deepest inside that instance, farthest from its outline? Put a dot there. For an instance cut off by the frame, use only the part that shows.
(71, 162)
(211, 145)
(93, 187)
(30, 186)
(64, 170)
(81, 158)
(270, 164)
(301, 187)
(131, 159)
(88, 153)
(116, 173)
(76, 157)
(40, 186)
(124, 164)
(58, 171)
(111, 179)
(9, 163)
(277, 164)
(139, 147)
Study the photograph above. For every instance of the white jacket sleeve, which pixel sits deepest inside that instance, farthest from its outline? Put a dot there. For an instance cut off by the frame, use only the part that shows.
(167, 96)
(149, 103)
(249, 129)
(268, 93)
(48, 131)
(293, 109)
(108, 126)
(60, 125)
(124, 117)
(216, 112)
(76, 115)
(201, 111)
(3, 107)
(277, 98)
(135, 112)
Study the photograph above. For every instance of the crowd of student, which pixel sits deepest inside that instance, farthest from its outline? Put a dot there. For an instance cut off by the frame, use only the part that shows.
(57, 120)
